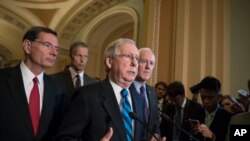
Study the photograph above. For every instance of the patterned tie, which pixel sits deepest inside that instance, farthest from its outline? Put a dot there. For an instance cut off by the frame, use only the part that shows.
(126, 109)
(177, 120)
(145, 107)
(34, 105)
(78, 81)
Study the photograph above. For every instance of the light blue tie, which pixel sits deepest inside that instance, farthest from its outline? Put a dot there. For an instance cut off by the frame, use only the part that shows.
(126, 109)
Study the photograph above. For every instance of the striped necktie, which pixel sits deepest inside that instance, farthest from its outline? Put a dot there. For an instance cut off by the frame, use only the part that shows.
(78, 81)
(126, 109)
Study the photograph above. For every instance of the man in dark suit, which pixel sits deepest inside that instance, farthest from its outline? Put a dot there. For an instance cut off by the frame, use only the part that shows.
(214, 119)
(150, 114)
(189, 111)
(31, 105)
(74, 76)
(106, 105)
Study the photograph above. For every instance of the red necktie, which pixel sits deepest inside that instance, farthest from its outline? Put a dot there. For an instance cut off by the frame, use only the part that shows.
(34, 105)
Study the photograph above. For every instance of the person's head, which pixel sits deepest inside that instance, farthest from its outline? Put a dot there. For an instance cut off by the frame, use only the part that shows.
(176, 93)
(146, 64)
(210, 88)
(226, 101)
(79, 56)
(161, 89)
(40, 45)
(230, 104)
(121, 61)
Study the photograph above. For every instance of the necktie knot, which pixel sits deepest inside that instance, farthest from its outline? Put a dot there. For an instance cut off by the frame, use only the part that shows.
(142, 90)
(35, 80)
(78, 81)
(124, 93)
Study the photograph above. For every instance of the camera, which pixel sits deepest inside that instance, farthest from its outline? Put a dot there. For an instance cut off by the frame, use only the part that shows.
(195, 88)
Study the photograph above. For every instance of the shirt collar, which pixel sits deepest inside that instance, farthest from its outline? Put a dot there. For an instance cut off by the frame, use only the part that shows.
(138, 85)
(74, 73)
(27, 74)
(213, 113)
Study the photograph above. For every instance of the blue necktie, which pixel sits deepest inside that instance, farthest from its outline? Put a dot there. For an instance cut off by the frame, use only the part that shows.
(145, 107)
(126, 109)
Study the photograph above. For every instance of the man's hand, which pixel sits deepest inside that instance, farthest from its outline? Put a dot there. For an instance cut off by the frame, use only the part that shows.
(108, 135)
(206, 132)
(158, 136)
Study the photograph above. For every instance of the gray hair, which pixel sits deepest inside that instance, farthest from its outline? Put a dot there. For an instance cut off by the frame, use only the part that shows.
(146, 49)
(113, 48)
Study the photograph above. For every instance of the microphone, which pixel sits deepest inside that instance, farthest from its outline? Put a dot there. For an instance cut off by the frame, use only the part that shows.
(134, 116)
(166, 117)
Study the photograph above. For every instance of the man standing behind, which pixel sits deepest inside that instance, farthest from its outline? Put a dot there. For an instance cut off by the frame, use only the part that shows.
(31, 105)
(97, 107)
(149, 113)
(74, 76)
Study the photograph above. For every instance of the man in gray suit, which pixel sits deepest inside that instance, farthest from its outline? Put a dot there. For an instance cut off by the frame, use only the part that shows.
(74, 76)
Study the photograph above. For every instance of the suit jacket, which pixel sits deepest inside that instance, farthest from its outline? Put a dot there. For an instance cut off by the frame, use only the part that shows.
(65, 80)
(15, 121)
(220, 123)
(153, 119)
(238, 119)
(190, 111)
(93, 111)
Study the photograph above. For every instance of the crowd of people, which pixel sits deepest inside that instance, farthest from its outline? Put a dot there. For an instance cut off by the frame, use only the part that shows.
(73, 106)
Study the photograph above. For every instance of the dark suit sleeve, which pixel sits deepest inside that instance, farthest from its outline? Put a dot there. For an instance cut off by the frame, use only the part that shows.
(75, 119)
(154, 113)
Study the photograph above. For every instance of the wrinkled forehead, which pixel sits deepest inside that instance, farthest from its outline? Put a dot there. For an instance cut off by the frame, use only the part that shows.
(127, 48)
(145, 54)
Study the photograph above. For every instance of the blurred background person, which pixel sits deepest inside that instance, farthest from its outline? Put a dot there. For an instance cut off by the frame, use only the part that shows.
(161, 92)
(181, 110)
(230, 104)
(244, 99)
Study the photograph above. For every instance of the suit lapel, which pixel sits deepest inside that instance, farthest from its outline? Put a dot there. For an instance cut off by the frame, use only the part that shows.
(69, 81)
(47, 110)
(111, 106)
(150, 100)
(136, 107)
(16, 86)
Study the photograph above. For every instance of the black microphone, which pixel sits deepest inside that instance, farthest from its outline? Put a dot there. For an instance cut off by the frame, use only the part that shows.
(134, 116)
(166, 117)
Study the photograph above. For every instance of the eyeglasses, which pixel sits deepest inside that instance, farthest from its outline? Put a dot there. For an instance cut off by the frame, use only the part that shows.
(129, 57)
(145, 61)
(48, 45)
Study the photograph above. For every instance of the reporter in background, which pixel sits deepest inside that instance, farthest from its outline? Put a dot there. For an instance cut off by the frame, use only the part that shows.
(230, 104)
(181, 110)
(215, 119)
